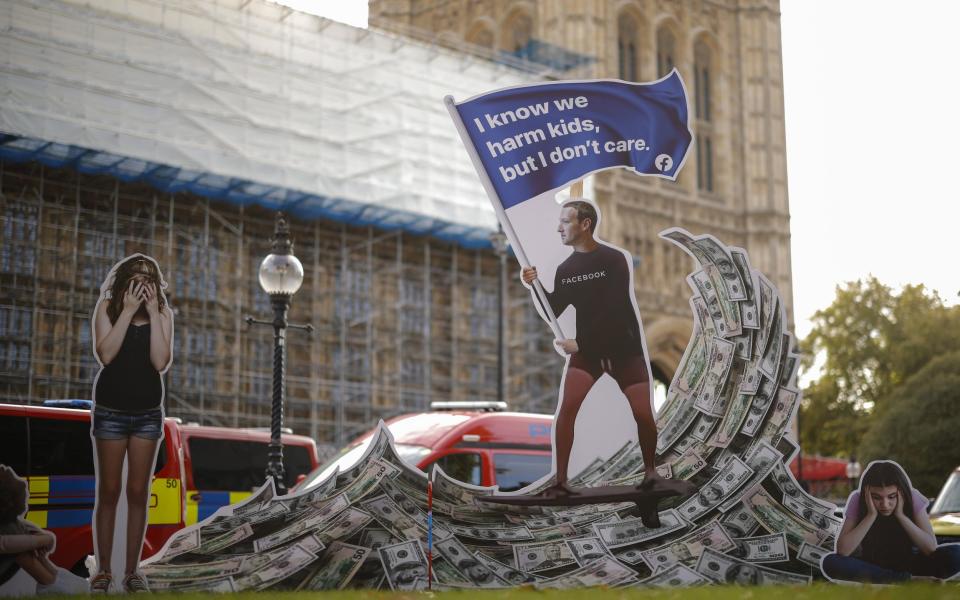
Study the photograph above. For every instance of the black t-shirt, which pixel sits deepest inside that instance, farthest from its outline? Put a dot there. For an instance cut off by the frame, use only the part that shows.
(597, 284)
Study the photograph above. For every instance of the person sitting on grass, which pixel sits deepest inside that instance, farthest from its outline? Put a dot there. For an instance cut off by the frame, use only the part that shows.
(886, 535)
(23, 545)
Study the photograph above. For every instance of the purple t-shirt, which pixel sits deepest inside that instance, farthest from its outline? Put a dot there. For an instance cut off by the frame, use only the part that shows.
(852, 510)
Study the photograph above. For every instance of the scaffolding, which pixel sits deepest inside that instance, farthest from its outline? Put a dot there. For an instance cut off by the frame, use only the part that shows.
(400, 319)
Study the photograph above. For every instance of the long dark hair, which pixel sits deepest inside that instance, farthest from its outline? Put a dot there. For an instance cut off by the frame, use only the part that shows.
(881, 474)
(137, 265)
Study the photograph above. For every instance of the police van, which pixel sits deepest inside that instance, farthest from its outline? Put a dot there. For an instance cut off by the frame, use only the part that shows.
(198, 470)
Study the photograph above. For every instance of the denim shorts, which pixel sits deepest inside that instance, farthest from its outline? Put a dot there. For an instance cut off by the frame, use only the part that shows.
(117, 425)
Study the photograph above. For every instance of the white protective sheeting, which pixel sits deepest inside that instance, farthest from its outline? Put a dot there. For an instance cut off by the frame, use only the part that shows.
(248, 89)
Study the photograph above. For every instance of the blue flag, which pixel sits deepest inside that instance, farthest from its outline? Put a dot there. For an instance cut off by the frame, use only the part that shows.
(535, 138)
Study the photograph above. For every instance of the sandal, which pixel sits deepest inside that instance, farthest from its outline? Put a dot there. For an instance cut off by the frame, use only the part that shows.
(100, 584)
(134, 583)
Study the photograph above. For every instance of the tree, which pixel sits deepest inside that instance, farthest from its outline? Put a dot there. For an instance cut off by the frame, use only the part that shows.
(870, 341)
(919, 427)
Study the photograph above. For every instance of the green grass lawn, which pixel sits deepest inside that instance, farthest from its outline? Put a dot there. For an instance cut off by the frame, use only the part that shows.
(820, 591)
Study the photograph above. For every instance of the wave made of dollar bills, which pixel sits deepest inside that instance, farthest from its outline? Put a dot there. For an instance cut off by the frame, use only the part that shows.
(722, 428)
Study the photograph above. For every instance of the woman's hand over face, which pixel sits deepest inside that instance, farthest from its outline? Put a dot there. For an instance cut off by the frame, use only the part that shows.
(898, 510)
(151, 299)
(132, 297)
(871, 508)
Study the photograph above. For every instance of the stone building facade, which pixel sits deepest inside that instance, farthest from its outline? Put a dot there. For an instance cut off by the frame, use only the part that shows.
(734, 184)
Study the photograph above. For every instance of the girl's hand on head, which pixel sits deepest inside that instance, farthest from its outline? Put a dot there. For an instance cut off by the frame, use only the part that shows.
(868, 500)
(131, 298)
(898, 510)
(151, 299)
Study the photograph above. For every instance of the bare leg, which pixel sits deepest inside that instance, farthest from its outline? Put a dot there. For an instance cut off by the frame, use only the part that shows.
(37, 567)
(638, 395)
(576, 385)
(109, 472)
(141, 453)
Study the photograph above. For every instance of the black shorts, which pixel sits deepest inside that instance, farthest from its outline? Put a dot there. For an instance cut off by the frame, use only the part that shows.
(626, 370)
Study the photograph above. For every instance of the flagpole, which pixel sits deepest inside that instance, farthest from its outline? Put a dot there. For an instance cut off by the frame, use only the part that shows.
(501, 213)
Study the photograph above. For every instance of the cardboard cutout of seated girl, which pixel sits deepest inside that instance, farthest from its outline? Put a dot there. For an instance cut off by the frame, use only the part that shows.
(133, 342)
(886, 535)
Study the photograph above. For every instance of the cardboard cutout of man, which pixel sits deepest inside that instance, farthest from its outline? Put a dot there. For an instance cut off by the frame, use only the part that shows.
(596, 279)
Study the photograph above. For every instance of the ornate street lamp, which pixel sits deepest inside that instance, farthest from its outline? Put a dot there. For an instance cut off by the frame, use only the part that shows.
(499, 241)
(281, 275)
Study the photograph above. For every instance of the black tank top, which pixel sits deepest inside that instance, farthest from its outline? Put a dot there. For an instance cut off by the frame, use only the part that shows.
(130, 383)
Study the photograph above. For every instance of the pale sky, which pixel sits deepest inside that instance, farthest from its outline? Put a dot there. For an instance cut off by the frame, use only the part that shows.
(873, 129)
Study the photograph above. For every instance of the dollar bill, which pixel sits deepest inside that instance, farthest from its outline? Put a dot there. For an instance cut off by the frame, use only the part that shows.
(703, 426)
(810, 554)
(688, 548)
(709, 400)
(563, 530)
(788, 373)
(318, 516)
(542, 556)
(492, 534)
(770, 359)
(344, 525)
(183, 541)
(693, 365)
(724, 312)
(456, 491)
(587, 549)
(733, 418)
(405, 566)
(723, 568)
(739, 521)
(665, 470)
(505, 572)
(679, 422)
(603, 571)
(785, 406)
(743, 345)
(790, 490)
(375, 538)
(750, 382)
(632, 531)
(219, 585)
(774, 518)
(379, 442)
(763, 459)
(340, 563)
(768, 300)
(761, 549)
(720, 487)
(252, 503)
(316, 493)
(759, 406)
(368, 479)
(213, 569)
(689, 464)
(709, 252)
(469, 566)
(388, 514)
(226, 540)
(676, 575)
(788, 448)
(748, 308)
(288, 561)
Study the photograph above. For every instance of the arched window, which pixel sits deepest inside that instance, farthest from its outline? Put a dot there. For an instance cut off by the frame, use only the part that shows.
(481, 36)
(517, 33)
(703, 82)
(666, 51)
(627, 47)
(702, 60)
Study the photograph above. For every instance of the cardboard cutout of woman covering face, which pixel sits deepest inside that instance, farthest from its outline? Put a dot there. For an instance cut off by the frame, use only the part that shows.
(132, 326)
(886, 536)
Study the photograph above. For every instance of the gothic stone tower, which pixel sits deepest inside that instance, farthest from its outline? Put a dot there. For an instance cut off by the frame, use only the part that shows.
(734, 184)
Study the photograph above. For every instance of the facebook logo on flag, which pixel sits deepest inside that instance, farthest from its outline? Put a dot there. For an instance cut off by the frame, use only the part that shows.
(535, 138)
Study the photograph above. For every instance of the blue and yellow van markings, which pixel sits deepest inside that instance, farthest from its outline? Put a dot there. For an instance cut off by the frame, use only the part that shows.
(209, 503)
(68, 501)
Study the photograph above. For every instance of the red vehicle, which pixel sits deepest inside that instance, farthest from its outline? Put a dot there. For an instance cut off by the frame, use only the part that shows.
(199, 469)
(474, 442)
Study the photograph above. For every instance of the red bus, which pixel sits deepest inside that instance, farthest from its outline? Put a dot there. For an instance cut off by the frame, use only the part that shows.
(476, 442)
(199, 469)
